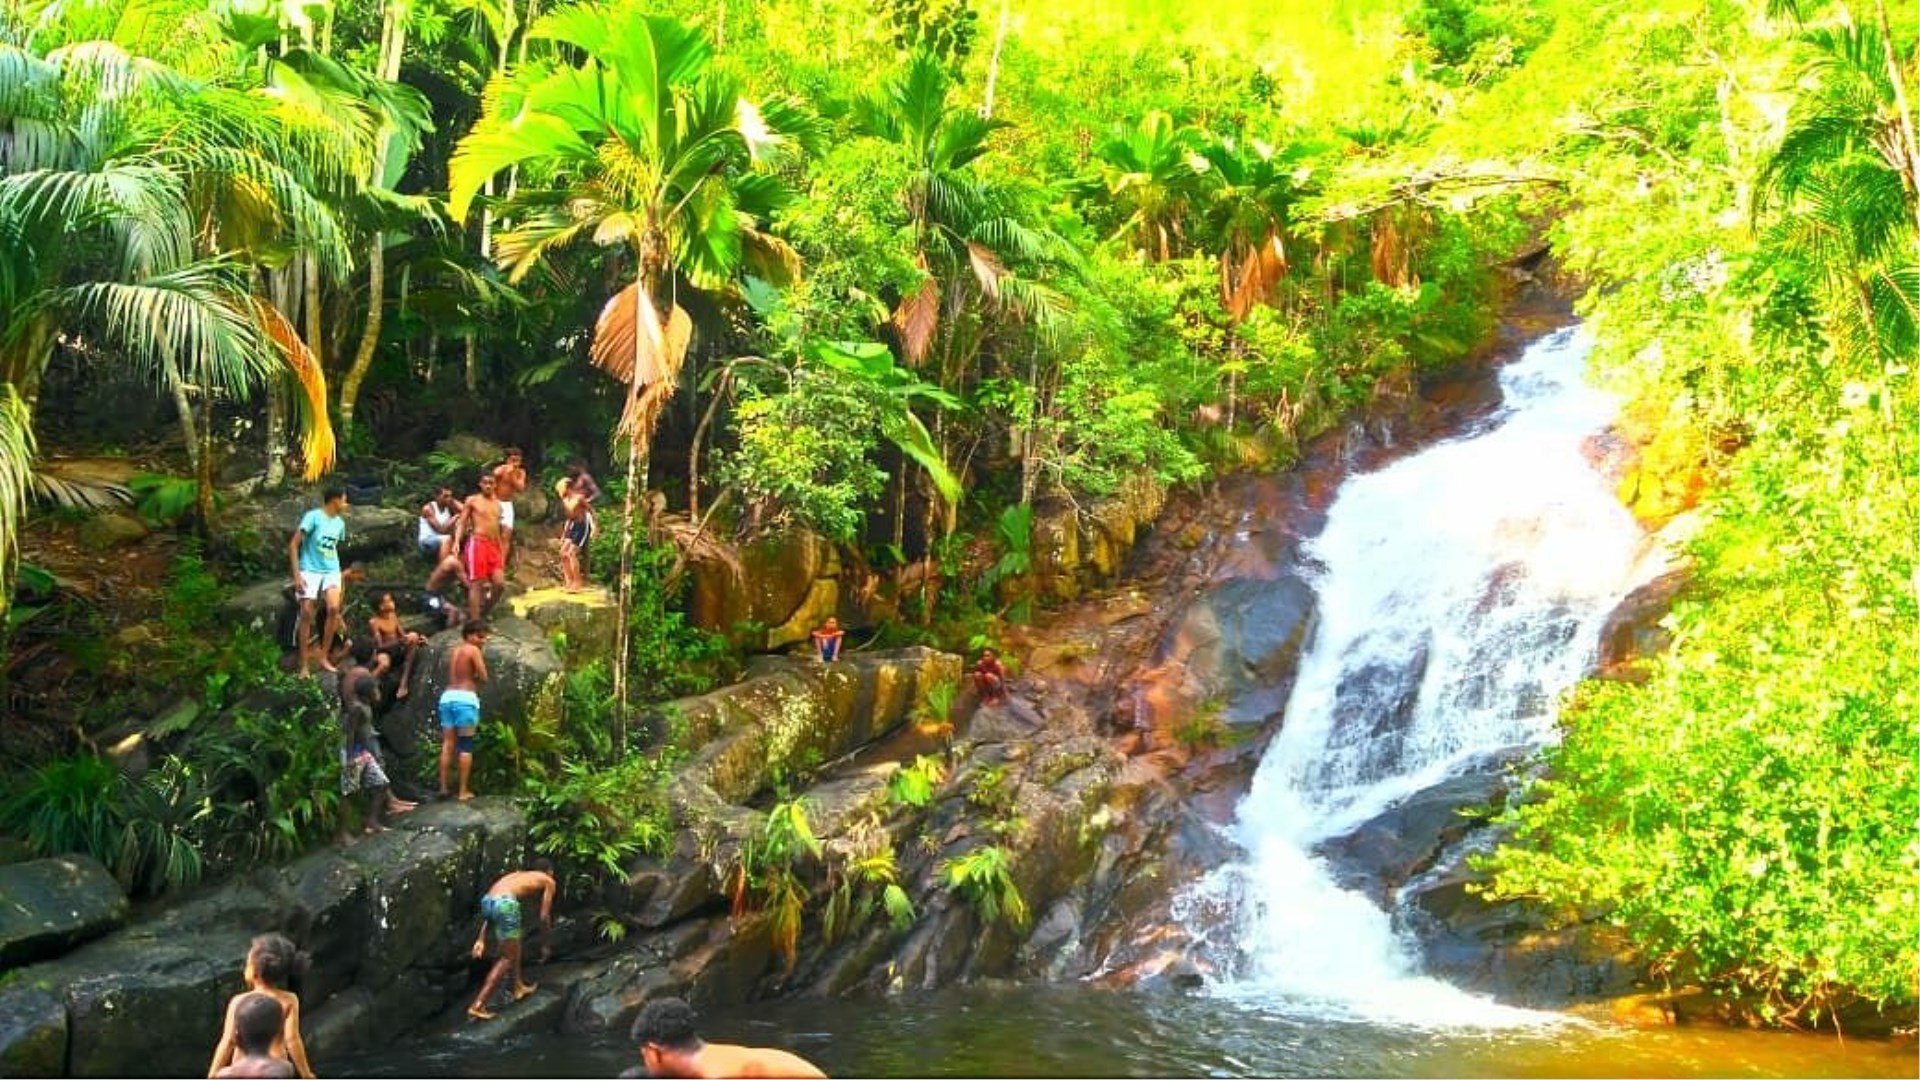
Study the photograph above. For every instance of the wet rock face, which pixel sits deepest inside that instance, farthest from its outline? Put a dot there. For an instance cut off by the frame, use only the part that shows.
(47, 906)
(1239, 645)
(1633, 631)
(386, 924)
(1413, 835)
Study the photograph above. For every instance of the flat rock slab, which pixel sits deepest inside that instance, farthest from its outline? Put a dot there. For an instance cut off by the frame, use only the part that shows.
(47, 906)
(587, 617)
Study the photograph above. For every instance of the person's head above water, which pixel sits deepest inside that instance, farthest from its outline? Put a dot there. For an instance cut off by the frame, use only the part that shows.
(273, 960)
(669, 1023)
(256, 1023)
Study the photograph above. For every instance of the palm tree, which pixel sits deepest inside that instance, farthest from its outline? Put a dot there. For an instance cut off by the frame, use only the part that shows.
(961, 239)
(1845, 169)
(1148, 176)
(642, 149)
(134, 203)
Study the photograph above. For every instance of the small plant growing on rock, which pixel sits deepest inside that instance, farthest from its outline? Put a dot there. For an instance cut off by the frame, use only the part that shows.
(915, 784)
(767, 873)
(866, 879)
(984, 877)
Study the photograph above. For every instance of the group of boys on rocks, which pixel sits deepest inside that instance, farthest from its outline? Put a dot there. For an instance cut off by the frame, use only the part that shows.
(469, 541)
(260, 1036)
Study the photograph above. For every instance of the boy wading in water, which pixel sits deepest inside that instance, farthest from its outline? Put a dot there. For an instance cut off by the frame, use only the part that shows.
(460, 705)
(670, 1045)
(257, 1020)
(501, 910)
(313, 556)
(270, 965)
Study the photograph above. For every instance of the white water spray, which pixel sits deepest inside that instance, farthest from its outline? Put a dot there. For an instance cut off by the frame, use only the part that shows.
(1461, 590)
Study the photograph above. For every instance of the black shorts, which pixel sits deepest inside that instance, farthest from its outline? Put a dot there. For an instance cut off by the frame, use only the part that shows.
(578, 532)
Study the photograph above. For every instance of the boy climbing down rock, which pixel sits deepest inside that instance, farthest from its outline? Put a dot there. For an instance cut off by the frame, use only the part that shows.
(501, 910)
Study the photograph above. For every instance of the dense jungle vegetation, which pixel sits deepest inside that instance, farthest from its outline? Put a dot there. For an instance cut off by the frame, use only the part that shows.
(895, 270)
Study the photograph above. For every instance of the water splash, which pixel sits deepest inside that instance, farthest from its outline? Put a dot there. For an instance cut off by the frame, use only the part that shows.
(1460, 591)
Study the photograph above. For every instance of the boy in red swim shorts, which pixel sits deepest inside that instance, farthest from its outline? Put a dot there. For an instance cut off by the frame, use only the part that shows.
(478, 536)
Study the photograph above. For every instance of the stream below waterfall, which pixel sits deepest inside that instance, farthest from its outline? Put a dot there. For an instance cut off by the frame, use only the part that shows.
(1461, 590)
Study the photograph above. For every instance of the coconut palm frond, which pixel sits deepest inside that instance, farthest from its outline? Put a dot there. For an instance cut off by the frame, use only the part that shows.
(916, 319)
(191, 320)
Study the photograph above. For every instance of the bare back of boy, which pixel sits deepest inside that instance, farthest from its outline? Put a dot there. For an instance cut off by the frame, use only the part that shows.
(467, 669)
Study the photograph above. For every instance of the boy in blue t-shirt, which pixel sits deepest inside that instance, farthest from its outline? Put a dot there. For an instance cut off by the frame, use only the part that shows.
(314, 556)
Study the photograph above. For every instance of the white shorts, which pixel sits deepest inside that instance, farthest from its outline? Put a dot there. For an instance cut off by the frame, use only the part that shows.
(506, 513)
(313, 586)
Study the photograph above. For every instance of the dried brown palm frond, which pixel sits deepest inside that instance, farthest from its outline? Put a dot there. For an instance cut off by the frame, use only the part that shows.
(317, 444)
(916, 318)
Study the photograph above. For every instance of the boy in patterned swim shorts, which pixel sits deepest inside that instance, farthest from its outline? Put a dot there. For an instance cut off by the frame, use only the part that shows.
(501, 909)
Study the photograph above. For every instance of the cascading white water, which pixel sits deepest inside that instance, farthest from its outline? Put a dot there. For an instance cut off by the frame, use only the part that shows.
(1460, 590)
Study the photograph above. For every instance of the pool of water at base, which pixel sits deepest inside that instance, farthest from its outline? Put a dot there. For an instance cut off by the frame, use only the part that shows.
(1047, 1031)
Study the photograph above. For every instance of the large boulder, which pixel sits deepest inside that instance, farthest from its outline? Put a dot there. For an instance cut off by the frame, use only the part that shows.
(523, 687)
(258, 530)
(50, 905)
(1414, 834)
(775, 583)
(388, 923)
(33, 1029)
(264, 608)
(790, 715)
(1239, 645)
(104, 532)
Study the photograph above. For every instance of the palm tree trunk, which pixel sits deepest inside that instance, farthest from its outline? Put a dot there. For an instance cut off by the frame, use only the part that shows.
(393, 44)
(276, 470)
(473, 364)
(622, 635)
(203, 491)
(993, 62)
(184, 408)
(369, 337)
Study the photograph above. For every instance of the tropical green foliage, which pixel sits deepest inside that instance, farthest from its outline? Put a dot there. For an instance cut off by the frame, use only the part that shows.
(984, 876)
(1745, 814)
(831, 291)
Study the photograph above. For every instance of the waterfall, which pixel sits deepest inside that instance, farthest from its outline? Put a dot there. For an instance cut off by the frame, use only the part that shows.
(1461, 591)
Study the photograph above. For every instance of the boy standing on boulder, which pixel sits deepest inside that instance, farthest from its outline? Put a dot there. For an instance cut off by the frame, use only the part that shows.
(479, 536)
(460, 704)
(509, 480)
(313, 556)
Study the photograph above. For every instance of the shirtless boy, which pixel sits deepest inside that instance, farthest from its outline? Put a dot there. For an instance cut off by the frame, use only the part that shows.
(313, 557)
(671, 1046)
(460, 704)
(479, 536)
(501, 909)
(576, 533)
(509, 480)
(257, 1020)
(394, 642)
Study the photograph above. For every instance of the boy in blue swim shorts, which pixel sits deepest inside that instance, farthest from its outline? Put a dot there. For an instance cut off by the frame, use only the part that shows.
(459, 707)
